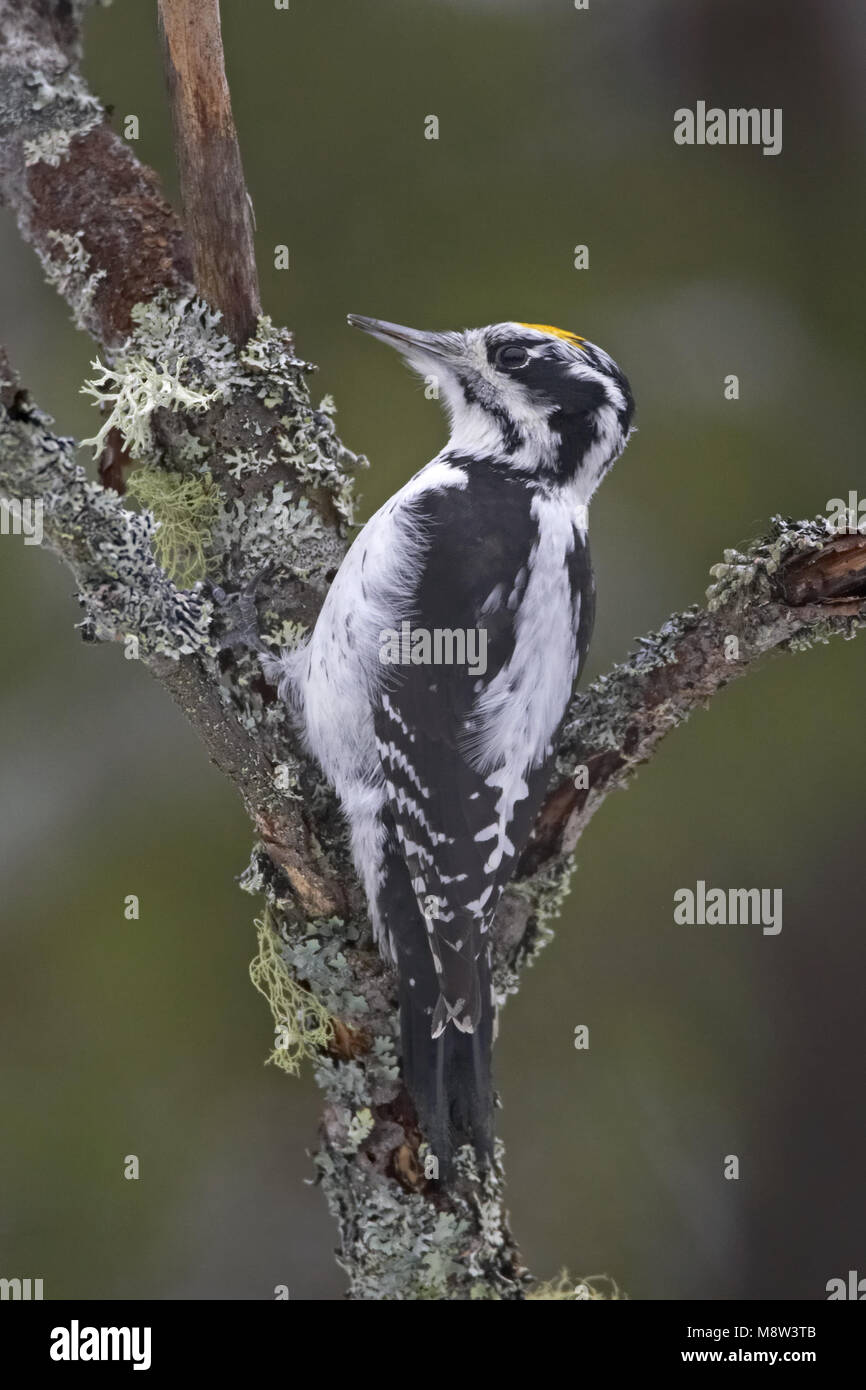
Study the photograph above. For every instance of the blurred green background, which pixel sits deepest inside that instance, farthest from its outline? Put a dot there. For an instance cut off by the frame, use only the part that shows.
(146, 1038)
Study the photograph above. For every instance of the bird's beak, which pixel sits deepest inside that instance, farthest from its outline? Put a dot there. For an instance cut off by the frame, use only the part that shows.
(409, 341)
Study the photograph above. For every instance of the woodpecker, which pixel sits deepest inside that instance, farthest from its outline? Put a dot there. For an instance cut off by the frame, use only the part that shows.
(437, 676)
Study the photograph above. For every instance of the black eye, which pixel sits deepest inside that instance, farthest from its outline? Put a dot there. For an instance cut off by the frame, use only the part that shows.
(511, 357)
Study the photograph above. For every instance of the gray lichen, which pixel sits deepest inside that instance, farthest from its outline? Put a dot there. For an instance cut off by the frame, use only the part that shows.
(315, 950)
(61, 108)
(396, 1243)
(400, 1246)
(308, 442)
(68, 268)
(601, 716)
(121, 587)
(744, 577)
(546, 893)
(176, 359)
(186, 400)
(44, 101)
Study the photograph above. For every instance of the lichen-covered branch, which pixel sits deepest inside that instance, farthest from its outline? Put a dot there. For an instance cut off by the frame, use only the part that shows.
(802, 583)
(244, 507)
(94, 215)
(121, 588)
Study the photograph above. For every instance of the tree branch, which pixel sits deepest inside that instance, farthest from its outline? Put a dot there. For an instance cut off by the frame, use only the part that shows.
(95, 216)
(803, 583)
(216, 205)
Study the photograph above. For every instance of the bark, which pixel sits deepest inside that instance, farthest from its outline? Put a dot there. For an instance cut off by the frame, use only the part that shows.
(217, 210)
(95, 216)
(251, 484)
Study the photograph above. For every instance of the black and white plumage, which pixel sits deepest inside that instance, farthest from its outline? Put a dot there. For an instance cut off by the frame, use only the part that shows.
(441, 768)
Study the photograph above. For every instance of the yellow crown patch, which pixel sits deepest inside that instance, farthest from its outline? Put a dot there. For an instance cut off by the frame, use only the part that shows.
(555, 332)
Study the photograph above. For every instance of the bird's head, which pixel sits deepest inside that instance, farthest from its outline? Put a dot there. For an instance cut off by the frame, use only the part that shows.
(532, 398)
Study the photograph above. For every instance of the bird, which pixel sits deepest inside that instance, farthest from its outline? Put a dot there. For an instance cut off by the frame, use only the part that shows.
(434, 684)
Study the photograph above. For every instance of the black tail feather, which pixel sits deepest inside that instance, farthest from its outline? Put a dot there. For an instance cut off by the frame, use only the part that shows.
(449, 1077)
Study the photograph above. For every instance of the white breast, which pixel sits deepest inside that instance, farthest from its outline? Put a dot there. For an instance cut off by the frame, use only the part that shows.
(516, 717)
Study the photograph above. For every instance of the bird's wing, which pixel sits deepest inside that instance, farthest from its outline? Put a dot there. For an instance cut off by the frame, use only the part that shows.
(447, 814)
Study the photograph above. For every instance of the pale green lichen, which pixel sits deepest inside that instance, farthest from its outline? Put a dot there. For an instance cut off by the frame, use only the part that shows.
(132, 391)
(177, 358)
(176, 365)
(303, 1027)
(352, 1084)
(185, 509)
(359, 1127)
(593, 1287)
(315, 950)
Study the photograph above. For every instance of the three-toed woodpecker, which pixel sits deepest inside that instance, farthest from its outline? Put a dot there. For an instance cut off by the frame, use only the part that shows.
(437, 676)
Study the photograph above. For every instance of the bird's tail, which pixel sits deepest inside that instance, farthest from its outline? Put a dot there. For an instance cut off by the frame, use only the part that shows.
(448, 1077)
